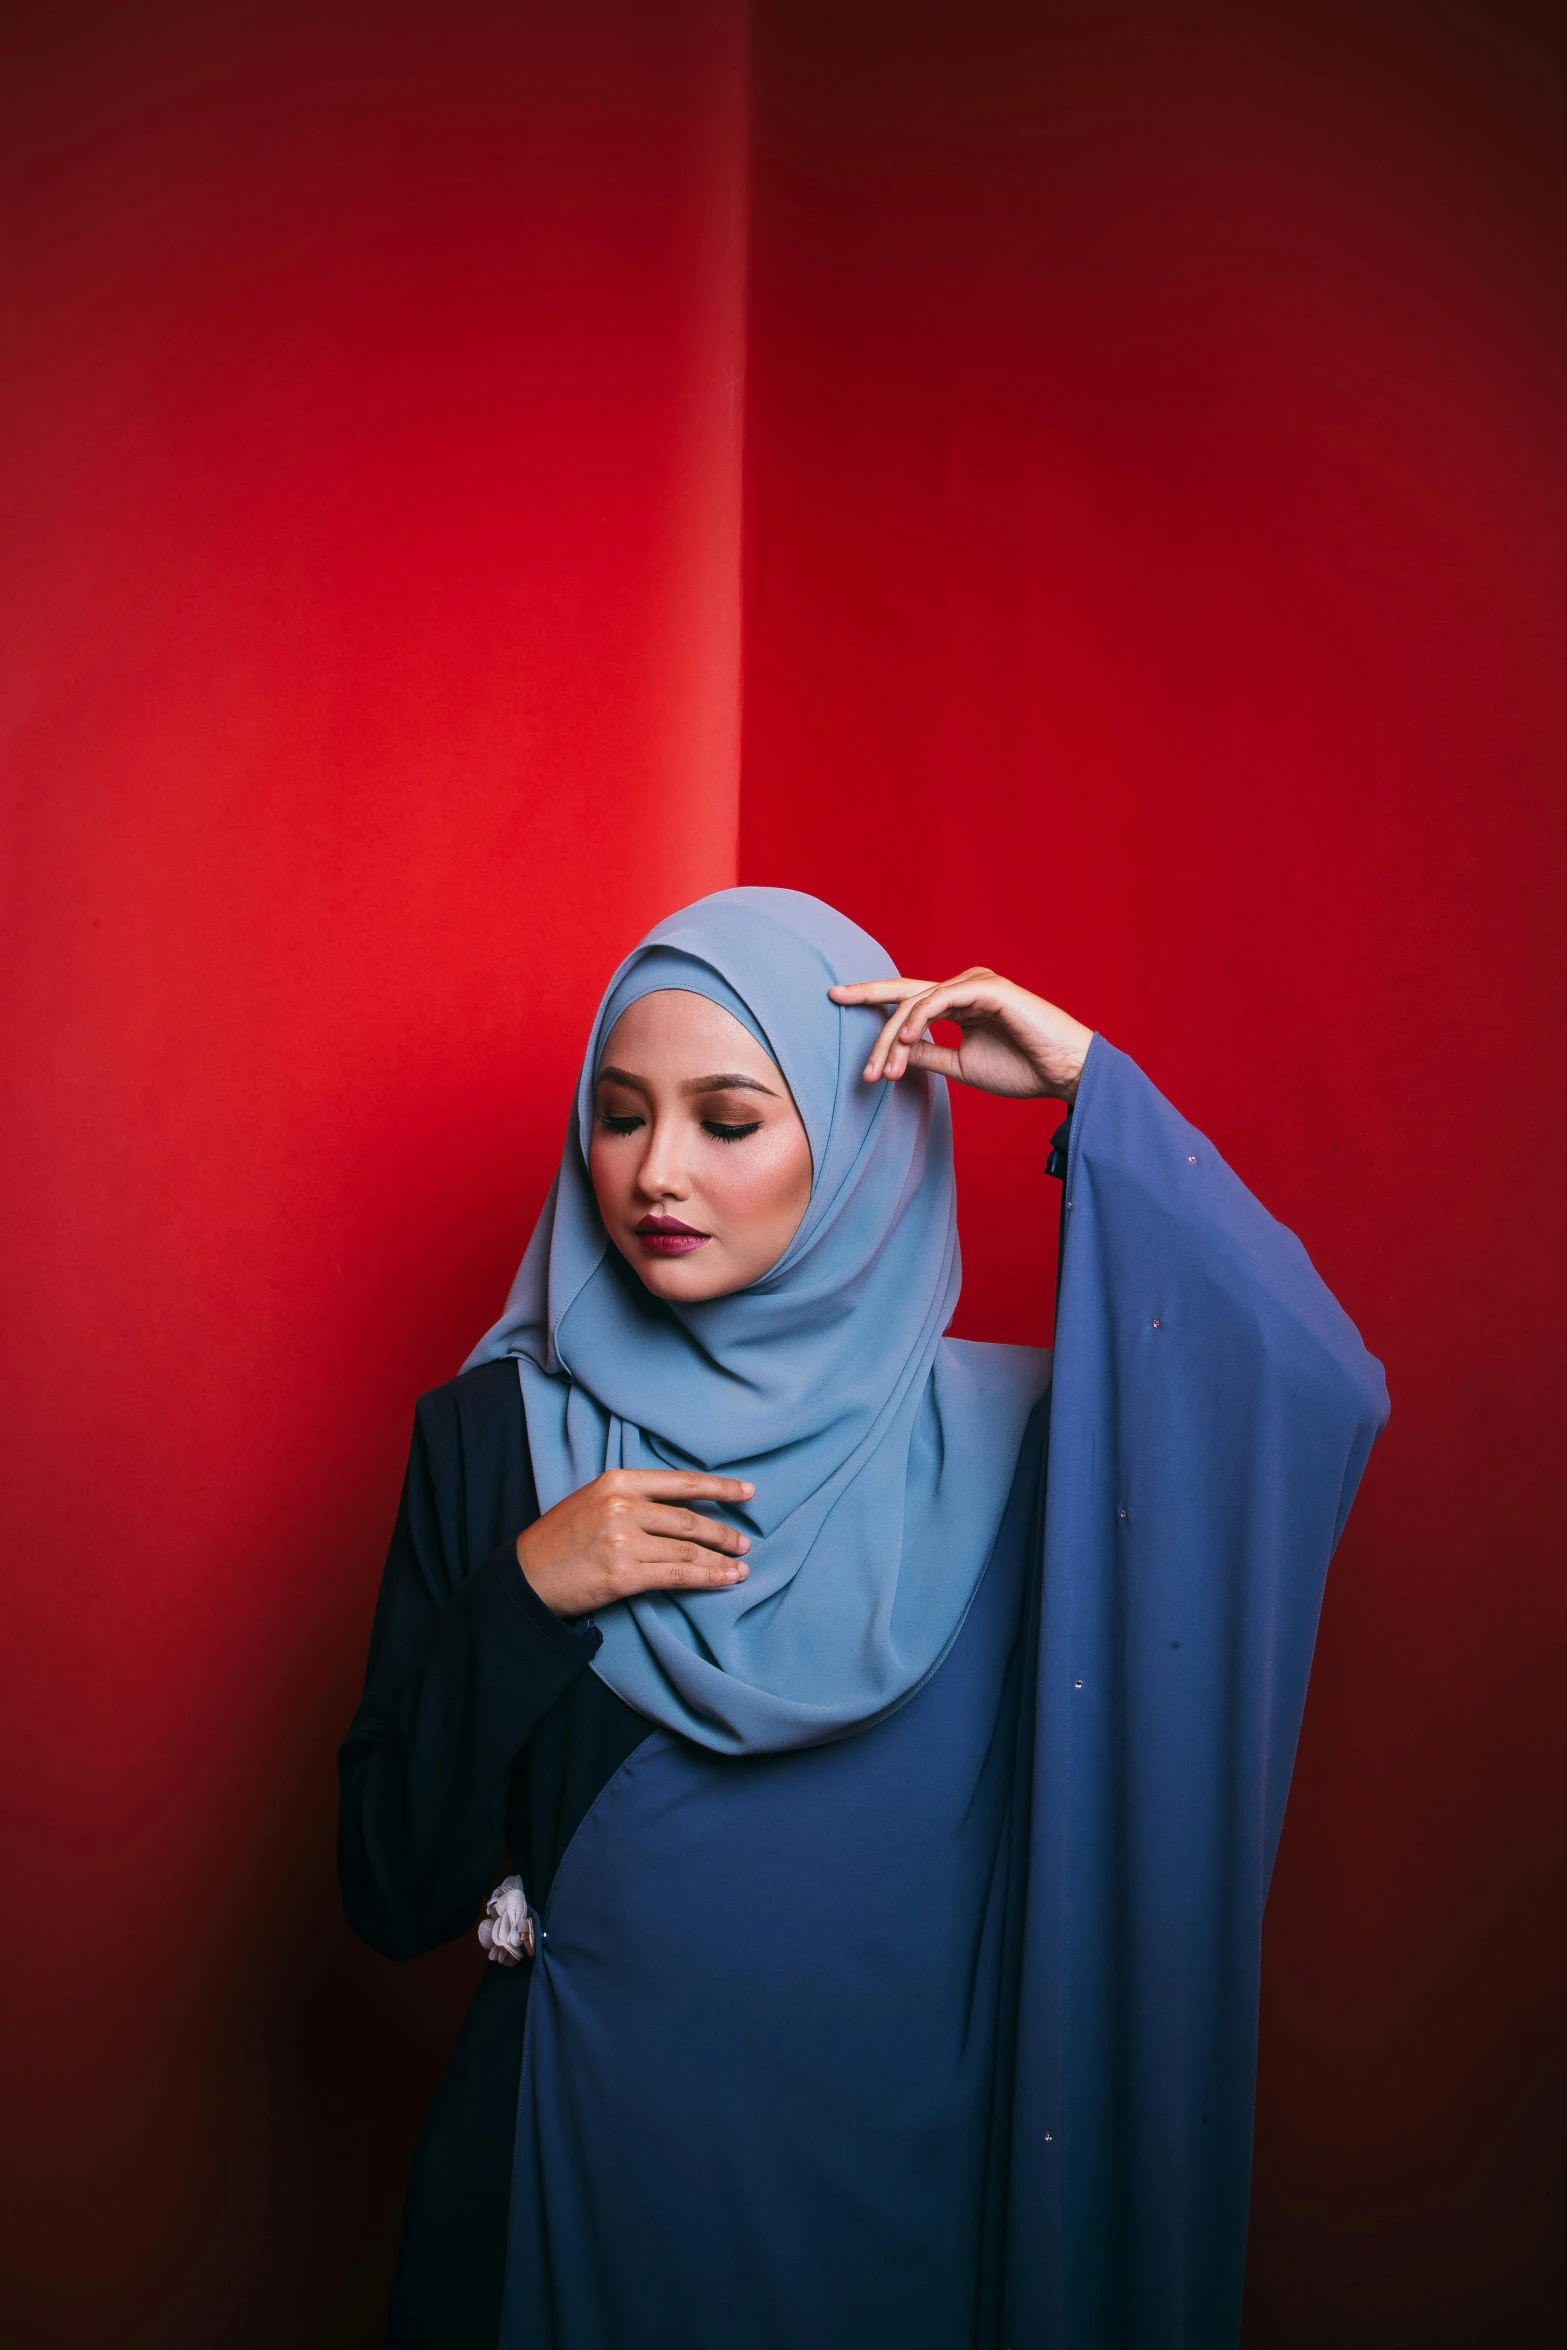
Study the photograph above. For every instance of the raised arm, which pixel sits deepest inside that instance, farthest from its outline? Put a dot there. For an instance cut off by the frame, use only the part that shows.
(1213, 1410)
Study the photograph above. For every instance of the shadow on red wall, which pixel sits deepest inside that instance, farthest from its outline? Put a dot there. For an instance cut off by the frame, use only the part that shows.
(1156, 512)
(372, 465)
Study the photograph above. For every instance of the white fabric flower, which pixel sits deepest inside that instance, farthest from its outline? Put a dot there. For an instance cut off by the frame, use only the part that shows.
(506, 1930)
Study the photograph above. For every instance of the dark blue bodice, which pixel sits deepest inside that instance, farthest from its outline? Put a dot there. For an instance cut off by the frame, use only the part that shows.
(759, 2089)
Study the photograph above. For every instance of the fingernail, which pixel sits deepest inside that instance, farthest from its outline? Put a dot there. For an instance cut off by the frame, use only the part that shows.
(746, 1486)
(745, 1542)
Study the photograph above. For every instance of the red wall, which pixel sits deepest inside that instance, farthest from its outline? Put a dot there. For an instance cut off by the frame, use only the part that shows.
(1157, 528)
(371, 470)
(1154, 585)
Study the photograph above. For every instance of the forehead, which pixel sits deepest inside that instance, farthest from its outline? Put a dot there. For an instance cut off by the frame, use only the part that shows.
(672, 1032)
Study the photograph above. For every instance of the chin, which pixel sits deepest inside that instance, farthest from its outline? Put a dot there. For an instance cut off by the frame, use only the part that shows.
(680, 1279)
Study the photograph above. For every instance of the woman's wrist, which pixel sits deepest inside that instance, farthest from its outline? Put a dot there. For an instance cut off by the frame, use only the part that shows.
(1062, 1069)
(530, 1577)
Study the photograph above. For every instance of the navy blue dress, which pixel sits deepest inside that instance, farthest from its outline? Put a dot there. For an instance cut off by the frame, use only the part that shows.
(943, 2035)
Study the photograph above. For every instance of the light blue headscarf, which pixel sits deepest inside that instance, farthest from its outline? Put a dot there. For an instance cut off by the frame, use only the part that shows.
(882, 1452)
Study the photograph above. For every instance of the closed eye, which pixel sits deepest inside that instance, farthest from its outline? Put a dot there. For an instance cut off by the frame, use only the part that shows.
(722, 1133)
(626, 1125)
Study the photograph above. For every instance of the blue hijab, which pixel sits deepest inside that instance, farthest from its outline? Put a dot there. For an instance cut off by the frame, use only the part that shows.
(881, 1450)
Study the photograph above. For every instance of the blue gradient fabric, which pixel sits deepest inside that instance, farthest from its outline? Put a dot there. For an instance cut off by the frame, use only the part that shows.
(882, 1451)
(767, 2027)
(1212, 1411)
(943, 2036)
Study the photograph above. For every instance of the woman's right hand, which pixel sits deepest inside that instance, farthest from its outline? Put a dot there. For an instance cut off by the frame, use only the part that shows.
(626, 1532)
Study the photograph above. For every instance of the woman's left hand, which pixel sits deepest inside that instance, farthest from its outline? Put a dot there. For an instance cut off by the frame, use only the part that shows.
(1012, 1042)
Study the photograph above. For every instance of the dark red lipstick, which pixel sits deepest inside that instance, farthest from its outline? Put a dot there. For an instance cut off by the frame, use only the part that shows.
(666, 1236)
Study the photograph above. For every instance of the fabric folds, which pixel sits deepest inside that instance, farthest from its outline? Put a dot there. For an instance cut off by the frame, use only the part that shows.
(881, 1450)
(954, 2021)
(1211, 1415)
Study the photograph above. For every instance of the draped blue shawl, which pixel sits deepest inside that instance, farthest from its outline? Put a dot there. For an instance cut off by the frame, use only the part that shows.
(882, 1451)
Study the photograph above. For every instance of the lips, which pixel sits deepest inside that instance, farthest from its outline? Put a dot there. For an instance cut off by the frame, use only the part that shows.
(666, 1236)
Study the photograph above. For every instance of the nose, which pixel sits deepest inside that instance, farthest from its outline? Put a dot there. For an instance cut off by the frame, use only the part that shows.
(663, 1173)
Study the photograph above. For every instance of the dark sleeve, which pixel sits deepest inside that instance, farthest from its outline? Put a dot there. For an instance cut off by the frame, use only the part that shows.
(465, 1660)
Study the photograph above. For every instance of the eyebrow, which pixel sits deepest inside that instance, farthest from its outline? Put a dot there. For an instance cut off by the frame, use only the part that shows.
(728, 1081)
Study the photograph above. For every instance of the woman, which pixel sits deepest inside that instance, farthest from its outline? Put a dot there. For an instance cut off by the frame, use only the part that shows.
(894, 1821)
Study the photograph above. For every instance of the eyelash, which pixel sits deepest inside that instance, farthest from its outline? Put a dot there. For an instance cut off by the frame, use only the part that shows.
(710, 1126)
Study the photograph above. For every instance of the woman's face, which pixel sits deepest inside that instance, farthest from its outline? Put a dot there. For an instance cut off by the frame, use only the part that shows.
(699, 1159)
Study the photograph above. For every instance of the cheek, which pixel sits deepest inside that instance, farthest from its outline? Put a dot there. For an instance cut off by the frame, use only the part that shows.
(608, 1175)
(764, 1181)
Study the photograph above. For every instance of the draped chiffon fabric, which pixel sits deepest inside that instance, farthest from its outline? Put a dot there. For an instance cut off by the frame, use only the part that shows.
(944, 2034)
(881, 1450)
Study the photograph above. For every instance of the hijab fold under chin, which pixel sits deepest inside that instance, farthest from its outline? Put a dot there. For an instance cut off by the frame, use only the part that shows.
(882, 1451)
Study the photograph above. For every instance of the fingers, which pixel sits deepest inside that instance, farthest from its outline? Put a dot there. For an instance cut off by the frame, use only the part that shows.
(626, 1532)
(881, 1051)
(647, 1542)
(976, 990)
(902, 994)
(942, 1060)
(891, 1053)
(679, 1566)
(688, 1526)
(951, 1001)
(916, 1002)
(874, 994)
(877, 991)
(671, 1485)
